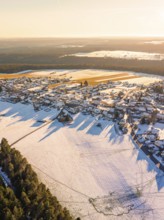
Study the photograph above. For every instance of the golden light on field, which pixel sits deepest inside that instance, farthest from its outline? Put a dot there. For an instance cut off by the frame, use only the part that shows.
(94, 77)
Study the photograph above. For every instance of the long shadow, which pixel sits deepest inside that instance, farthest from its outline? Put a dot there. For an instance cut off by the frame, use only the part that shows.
(124, 194)
(25, 113)
(113, 137)
(81, 122)
(53, 127)
(96, 130)
(41, 117)
(142, 157)
(86, 123)
(14, 111)
(151, 167)
(160, 180)
(77, 121)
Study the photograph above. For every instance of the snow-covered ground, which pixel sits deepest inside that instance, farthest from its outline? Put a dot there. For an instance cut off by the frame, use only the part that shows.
(97, 75)
(75, 74)
(158, 126)
(5, 178)
(94, 172)
(25, 71)
(155, 42)
(120, 54)
(69, 46)
(52, 72)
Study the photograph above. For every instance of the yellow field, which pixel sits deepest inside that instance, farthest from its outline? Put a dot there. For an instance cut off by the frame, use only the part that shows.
(103, 79)
(93, 78)
(17, 76)
(12, 76)
(122, 78)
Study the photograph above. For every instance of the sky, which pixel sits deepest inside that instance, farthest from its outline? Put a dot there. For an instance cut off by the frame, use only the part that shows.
(81, 18)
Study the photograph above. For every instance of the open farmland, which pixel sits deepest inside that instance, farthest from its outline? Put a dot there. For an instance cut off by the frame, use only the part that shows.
(93, 77)
(97, 80)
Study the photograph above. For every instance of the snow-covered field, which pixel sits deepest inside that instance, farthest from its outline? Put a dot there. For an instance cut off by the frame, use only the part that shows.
(69, 46)
(76, 74)
(155, 42)
(119, 54)
(50, 72)
(97, 76)
(94, 172)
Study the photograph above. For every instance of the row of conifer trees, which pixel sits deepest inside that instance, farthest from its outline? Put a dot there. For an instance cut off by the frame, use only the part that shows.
(26, 198)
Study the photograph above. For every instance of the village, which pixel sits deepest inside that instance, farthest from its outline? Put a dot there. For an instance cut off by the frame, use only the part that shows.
(134, 108)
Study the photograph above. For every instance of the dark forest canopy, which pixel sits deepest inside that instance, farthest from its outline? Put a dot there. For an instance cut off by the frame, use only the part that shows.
(156, 67)
(23, 54)
(26, 198)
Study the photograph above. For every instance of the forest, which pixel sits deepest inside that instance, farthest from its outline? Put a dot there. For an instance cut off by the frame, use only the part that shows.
(26, 198)
(26, 54)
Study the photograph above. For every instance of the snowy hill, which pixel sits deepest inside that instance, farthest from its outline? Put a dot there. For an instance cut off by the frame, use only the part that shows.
(92, 171)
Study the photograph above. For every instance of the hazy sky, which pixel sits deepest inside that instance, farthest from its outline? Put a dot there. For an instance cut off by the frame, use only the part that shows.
(75, 18)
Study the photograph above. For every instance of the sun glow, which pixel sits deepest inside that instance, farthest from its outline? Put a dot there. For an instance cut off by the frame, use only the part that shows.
(78, 18)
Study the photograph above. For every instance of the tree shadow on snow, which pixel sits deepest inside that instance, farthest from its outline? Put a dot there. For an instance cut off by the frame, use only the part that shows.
(53, 128)
(150, 165)
(22, 113)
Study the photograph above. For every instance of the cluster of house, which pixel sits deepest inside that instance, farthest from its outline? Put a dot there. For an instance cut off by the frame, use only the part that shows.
(28, 90)
(151, 144)
(126, 103)
(111, 100)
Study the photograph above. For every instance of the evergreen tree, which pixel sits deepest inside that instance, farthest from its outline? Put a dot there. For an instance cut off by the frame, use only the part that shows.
(30, 199)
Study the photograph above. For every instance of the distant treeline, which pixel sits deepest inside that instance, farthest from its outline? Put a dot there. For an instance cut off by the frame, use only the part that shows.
(54, 53)
(150, 67)
(27, 199)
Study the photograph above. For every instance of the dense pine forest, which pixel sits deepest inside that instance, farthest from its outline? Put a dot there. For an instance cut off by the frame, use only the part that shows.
(26, 197)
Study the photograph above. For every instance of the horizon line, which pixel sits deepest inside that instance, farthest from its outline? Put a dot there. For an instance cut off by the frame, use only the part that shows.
(85, 37)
